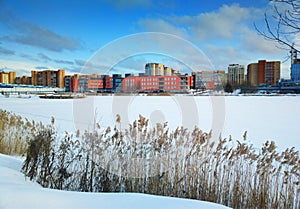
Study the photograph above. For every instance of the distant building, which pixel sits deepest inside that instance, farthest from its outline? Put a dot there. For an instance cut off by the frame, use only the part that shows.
(95, 82)
(83, 83)
(268, 72)
(252, 70)
(8, 78)
(236, 74)
(48, 78)
(71, 83)
(117, 82)
(172, 83)
(4, 78)
(157, 69)
(26, 80)
(208, 79)
(295, 70)
(263, 73)
(152, 69)
(11, 77)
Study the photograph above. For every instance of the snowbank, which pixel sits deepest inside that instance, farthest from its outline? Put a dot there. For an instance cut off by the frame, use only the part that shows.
(17, 192)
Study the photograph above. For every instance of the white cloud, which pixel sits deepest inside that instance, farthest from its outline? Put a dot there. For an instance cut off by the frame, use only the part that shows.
(24, 68)
(225, 23)
(227, 35)
(34, 35)
(255, 43)
(223, 56)
(160, 25)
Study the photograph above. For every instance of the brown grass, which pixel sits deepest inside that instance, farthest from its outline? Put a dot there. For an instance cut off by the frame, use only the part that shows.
(179, 163)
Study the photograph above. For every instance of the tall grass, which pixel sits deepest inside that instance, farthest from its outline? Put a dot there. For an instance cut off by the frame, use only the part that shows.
(15, 132)
(179, 163)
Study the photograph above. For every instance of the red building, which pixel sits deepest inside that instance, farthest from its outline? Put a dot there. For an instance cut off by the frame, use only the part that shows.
(95, 82)
(268, 72)
(108, 83)
(180, 83)
(71, 83)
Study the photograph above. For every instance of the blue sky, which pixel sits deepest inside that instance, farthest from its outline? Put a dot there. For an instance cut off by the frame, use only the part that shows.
(69, 34)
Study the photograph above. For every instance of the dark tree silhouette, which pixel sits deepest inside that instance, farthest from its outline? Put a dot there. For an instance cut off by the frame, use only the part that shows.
(228, 88)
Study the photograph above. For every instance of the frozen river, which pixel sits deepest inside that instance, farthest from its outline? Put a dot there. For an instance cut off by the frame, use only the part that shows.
(264, 118)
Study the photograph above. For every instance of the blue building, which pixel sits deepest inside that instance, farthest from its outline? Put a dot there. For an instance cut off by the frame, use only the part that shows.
(295, 71)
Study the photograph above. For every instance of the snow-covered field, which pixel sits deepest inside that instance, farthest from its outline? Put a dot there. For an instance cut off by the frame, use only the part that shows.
(264, 118)
(16, 192)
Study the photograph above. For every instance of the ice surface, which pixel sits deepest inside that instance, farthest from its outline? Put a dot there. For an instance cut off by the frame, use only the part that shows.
(263, 117)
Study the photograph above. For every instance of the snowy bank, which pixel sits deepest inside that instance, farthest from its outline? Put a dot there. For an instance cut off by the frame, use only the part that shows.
(17, 192)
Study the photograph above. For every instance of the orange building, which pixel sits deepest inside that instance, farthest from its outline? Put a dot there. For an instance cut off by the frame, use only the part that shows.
(11, 77)
(60, 78)
(263, 72)
(34, 77)
(48, 78)
(26, 80)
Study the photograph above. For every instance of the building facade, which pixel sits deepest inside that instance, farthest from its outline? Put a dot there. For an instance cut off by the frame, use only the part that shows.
(263, 73)
(236, 74)
(252, 70)
(152, 69)
(71, 83)
(7, 77)
(4, 77)
(295, 70)
(172, 83)
(209, 80)
(48, 78)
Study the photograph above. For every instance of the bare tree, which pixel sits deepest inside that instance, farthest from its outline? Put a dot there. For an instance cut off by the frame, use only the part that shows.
(283, 24)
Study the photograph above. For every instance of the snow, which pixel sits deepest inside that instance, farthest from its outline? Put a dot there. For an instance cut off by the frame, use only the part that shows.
(263, 117)
(18, 192)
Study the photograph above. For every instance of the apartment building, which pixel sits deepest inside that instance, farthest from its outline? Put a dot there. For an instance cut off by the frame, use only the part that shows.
(48, 78)
(7, 77)
(263, 73)
(236, 74)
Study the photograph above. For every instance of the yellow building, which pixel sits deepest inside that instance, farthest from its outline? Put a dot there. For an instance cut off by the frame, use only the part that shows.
(4, 77)
(252, 70)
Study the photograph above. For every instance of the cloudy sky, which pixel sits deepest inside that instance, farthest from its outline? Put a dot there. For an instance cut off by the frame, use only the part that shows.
(114, 34)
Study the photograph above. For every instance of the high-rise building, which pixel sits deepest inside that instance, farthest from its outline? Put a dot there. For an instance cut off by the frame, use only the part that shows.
(4, 77)
(60, 78)
(263, 72)
(236, 74)
(295, 66)
(11, 77)
(268, 72)
(152, 69)
(252, 74)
